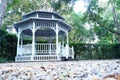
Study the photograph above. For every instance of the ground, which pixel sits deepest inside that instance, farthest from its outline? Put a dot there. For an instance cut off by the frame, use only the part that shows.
(67, 70)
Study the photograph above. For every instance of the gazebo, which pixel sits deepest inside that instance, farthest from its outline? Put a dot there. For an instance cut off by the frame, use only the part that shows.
(43, 25)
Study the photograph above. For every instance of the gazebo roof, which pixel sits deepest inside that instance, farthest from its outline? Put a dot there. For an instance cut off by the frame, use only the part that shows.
(45, 21)
(41, 33)
(47, 12)
(28, 20)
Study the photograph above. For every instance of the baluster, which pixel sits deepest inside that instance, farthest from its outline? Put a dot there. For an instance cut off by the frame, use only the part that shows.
(41, 48)
(38, 48)
(44, 48)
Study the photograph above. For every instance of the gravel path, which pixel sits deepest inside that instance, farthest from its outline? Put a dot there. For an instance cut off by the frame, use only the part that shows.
(69, 70)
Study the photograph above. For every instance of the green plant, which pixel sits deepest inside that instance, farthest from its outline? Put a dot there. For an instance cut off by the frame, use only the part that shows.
(3, 60)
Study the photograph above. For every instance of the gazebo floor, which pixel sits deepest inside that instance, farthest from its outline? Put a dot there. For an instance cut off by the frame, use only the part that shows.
(37, 58)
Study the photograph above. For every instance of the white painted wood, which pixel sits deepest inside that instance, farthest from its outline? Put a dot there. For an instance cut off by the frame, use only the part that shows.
(27, 49)
(37, 15)
(21, 42)
(44, 51)
(67, 51)
(57, 39)
(73, 52)
(33, 39)
(18, 43)
(63, 37)
(37, 58)
(67, 37)
(44, 48)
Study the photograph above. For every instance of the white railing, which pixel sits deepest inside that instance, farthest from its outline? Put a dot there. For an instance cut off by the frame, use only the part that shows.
(62, 50)
(45, 48)
(66, 51)
(71, 52)
(27, 49)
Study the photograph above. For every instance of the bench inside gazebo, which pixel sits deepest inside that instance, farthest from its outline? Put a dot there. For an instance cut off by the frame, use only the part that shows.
(43, 25)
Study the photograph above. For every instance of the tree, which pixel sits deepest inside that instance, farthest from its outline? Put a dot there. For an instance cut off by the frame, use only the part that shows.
(79, 32)
(105, 14)
(16, 8)
(2, 10)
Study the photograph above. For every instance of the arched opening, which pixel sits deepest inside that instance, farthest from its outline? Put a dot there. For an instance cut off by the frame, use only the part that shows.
(62, 37)
(25, 42)
(26, 36)
(45, 35)
(45, 41)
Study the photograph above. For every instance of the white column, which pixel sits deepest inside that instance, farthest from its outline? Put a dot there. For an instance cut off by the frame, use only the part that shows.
(63, 37)
(57, 39)
(18, 42)
(50, 44)
(33, 39)
(67, 38)
(37, 15)
(21, 42)
(67, 46)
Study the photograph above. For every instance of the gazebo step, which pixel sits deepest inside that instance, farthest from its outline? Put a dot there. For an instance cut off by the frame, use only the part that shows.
(37, 58)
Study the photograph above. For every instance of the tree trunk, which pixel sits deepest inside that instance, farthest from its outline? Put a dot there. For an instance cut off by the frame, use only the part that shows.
(115, 17)
(3, 6)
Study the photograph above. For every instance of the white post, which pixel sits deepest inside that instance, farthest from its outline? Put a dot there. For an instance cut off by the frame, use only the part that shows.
(37, 15)
(18, 43)
(21, 45)
(33, 39)
(50, 46)
(72, 52)
(67, 38)
(67, 46)
(57, 39)
(52, 16)
(63, 39)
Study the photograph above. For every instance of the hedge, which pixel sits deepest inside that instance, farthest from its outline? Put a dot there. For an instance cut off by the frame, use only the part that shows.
(8, 46)
(96, 51)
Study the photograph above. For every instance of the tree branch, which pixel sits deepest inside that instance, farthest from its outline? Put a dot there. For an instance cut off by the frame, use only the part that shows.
(104, 26)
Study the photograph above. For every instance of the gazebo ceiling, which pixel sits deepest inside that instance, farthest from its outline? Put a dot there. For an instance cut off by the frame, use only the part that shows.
(42, 33)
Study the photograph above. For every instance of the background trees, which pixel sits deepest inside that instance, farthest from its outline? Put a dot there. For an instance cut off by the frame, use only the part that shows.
(105, 17)
(100, 24)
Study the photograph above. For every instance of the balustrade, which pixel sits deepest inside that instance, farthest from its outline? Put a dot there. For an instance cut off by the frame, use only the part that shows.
(45, 48)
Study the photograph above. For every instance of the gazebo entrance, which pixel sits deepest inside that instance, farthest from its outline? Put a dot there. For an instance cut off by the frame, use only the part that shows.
(49, 26)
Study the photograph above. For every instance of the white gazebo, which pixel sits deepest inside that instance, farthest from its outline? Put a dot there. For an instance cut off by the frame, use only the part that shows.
(43, 25)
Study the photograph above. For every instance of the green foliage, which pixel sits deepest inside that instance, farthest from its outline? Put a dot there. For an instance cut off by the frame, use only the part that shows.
(78, 33)
(96, 51)
(104, 15)
(8, 45)
(3, 60)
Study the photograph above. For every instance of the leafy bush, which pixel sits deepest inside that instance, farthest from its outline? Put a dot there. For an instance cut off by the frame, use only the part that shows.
(3, 60)
(96, 51)
(8, 45)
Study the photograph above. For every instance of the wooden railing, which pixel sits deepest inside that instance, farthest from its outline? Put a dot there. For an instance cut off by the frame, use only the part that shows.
(27, 49)
(71, 52)
(45, 48)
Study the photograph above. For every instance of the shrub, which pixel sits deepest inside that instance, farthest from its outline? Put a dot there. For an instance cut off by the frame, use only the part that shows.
(96, 51)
